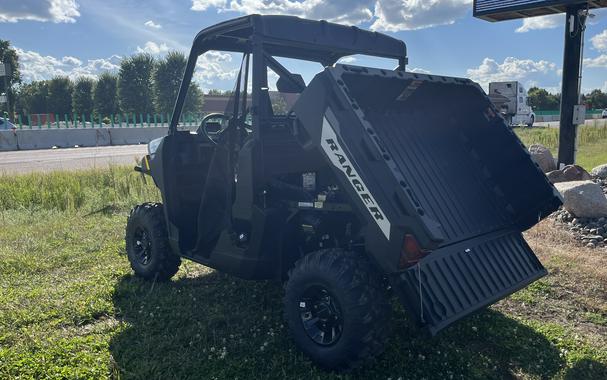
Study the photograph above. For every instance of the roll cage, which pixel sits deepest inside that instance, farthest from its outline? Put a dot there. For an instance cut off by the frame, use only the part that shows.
(266, 37)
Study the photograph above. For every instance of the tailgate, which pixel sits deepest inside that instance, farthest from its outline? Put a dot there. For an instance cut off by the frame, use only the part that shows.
(457, 280)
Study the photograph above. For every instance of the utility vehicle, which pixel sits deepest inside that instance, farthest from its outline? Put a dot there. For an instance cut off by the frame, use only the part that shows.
(373, 182)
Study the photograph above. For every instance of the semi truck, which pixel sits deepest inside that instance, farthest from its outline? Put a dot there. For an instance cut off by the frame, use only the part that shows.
(510, 98)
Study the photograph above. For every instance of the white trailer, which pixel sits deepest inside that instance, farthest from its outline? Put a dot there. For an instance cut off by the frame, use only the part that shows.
(510, 98)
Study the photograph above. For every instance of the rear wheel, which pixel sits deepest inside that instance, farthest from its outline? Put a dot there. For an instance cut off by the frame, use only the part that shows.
(147, 244)
(337, 309)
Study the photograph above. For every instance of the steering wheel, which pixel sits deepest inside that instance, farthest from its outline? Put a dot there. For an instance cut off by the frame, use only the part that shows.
(218, 128)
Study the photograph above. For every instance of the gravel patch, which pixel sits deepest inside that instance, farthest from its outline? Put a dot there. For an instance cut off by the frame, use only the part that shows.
(590, 232)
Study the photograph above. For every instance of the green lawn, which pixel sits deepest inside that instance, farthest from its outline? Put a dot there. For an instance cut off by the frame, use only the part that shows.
(70, 307)
(592, 143)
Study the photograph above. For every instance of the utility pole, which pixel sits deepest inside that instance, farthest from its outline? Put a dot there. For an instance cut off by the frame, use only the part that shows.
(571, 112)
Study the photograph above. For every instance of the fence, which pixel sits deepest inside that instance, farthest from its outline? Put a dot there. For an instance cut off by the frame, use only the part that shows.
(590, 112)
(73, 121)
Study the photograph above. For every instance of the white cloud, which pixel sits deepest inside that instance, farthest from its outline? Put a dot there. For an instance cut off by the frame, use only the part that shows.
(214, 65)
(39, 10)
(419, 70)
(203, 5)
(513, 69)
(153, 48)
(541, 22)
(71, 61)
(395, 15)
(385, 15)
(349, 59)
(600, 61)
(35, 66)
(152, 24)
(599, 41)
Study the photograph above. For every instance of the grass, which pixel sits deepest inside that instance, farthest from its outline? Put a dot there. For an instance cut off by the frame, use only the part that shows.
(592, 142)
(70, 308)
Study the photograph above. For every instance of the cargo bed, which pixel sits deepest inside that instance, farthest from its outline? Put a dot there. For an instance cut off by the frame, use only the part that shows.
(438, 163)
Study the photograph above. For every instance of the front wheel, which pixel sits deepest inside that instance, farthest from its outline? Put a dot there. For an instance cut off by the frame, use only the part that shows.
(147, 244)
(336, 309)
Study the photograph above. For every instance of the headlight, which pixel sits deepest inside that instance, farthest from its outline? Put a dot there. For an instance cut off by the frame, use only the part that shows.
(153, 145)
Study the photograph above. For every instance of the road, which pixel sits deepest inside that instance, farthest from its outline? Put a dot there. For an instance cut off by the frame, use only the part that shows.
(27, 161)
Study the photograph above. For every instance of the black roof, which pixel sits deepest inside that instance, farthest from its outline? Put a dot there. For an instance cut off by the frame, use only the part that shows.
(294, 37)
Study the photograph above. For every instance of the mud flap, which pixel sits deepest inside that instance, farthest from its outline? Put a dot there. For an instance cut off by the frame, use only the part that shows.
(460, 279)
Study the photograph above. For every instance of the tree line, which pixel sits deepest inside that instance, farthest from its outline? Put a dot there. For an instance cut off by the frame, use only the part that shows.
(541, 100)
(143, 85)
(146, 85)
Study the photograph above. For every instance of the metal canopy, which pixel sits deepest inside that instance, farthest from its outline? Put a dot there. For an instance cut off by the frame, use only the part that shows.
(501, 10)
(293, 37)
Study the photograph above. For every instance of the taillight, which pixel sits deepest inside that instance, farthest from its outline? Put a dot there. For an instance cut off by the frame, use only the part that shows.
(411, 252)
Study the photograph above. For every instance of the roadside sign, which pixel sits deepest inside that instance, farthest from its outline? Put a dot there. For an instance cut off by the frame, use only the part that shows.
(3, 99)
(579, 114)
(498, 10)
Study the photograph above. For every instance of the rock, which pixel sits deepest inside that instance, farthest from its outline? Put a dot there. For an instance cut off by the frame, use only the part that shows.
(556, 176)
(569, 173)
(542, 156)
(600, 171)
(591, 245)
(583, 199)
(575, 173)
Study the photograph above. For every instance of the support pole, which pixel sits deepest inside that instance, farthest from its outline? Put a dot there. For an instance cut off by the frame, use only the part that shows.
(570, 92)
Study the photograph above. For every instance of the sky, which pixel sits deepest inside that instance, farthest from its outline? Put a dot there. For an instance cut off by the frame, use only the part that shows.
(86, 37)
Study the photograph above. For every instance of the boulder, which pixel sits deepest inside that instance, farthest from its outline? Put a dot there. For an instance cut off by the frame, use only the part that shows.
(583, 199)
(569, 173)
(556, 176)
(542, 156)
(600, 171)
(575, 173)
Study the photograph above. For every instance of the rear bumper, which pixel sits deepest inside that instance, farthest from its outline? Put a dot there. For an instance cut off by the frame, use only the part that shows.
(457, 280)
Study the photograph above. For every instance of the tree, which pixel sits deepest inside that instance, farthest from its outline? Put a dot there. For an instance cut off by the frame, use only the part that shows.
(105, 97)
(135, 90)
(9, 55)
(167, 80)
(215, 92)
(59, 96)
(194, 100)
(82, 97)
(542, 100)
(32, 98)
(597, 99)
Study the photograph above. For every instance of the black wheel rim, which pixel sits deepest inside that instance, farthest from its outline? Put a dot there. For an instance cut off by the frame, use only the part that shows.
(321, 315)
(142, 245)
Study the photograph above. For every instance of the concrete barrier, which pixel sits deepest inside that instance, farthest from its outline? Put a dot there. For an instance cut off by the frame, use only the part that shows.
(27, 139)
(129, 136)
(41, 138)
(88, 137)
(8, 140)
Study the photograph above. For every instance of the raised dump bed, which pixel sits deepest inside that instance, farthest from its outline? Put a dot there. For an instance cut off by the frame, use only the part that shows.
(440, 165)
